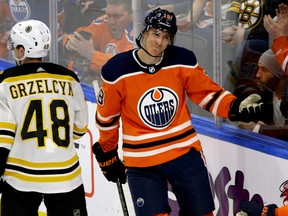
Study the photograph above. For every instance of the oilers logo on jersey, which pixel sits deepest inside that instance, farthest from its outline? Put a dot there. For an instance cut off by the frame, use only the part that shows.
(158, 106)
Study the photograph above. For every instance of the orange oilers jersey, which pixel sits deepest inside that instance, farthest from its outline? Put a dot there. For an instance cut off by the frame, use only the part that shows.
(151, 101)
(281, 211)
(42, 108)
(280, 48)
(105, 44)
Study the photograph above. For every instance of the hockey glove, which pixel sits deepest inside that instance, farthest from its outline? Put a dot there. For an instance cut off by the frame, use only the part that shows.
(2, 184)
(284, 101)
(110, 164)
(255, 209)
(247, 110)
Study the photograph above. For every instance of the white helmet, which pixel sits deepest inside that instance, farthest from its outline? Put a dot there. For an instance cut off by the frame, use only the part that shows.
(33, 35)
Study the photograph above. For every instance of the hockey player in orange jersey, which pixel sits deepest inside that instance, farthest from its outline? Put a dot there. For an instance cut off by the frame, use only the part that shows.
(147, 88)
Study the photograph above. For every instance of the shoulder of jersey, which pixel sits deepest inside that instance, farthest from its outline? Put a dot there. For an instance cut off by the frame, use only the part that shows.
(124, 63)
(33, 68)
(100, 19)
(119, 65)
(175, 55)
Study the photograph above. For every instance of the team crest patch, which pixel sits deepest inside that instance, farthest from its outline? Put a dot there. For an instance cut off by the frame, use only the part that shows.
(100, 97)
(20, 10)
(158, 106)
(250, 13)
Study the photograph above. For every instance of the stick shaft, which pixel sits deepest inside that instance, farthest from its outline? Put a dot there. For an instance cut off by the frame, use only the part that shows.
(122, 198)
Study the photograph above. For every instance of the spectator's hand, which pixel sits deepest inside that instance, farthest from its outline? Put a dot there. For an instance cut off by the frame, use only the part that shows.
(80, 45)
(232, 36)
(279, 27)
(247, 110)
(284, 102)
(252, 126)
(248, 126)
(110, 164)
(255, 209)
(85, 5)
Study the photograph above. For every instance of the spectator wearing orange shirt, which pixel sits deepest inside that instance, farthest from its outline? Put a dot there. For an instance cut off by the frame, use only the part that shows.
(5, 25)
(105, 37)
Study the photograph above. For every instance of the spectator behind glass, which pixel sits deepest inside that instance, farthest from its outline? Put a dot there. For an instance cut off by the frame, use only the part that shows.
(175, 6)
(39, 10)
(109, 35)
(5, 26)
(249, 38)
(80, 13)
(272, 80)
(181, 8)
(278, 31)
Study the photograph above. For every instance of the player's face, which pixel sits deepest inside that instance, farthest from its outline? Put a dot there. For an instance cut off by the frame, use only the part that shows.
(156, 41)
(118, 18)
(266, 78)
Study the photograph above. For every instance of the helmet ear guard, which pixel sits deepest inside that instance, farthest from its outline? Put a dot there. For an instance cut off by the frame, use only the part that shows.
(33, 35)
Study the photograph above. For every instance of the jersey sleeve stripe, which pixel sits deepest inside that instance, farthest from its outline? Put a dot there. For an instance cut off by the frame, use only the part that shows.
(212, 100)
(218, 101)
(7, 125)
(6, 140)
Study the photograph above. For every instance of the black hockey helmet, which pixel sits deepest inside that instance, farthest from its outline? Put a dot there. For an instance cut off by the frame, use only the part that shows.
(161, 19)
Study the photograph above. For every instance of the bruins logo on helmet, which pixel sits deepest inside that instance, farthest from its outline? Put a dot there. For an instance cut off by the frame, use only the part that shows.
(250, 13)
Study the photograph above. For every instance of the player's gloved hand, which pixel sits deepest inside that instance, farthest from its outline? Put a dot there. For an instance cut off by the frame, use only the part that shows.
(110, 164)
(284, 102)
(255, 209)
(1, 185)
(247, 110)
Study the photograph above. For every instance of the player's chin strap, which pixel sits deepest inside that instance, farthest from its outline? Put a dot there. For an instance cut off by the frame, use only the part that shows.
(18, 60)
(138, 42)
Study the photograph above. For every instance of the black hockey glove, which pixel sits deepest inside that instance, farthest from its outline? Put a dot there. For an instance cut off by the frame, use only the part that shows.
(1, 185)
(110, 164)
(255, 209)
(284, 102)
(247, 110)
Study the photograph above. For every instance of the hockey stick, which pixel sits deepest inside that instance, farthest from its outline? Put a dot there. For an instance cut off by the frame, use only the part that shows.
(122, 198)
(96, 87)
